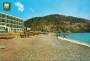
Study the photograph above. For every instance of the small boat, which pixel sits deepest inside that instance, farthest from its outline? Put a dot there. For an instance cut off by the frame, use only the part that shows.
(6, 37)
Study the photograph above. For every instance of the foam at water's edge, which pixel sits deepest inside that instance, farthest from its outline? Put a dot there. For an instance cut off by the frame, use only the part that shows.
(74, 41)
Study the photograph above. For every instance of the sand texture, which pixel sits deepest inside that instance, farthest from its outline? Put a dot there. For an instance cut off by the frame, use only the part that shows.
(42, 47)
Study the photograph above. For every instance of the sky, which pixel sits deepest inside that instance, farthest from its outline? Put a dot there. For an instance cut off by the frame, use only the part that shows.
(27, 9)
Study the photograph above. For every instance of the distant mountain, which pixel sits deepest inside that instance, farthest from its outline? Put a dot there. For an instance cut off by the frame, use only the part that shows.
(58, 23)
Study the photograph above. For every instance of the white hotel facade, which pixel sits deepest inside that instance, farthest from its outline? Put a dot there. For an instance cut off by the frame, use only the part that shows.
(11, 23)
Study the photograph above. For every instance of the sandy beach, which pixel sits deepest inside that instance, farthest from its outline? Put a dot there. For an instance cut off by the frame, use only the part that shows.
(43, 47)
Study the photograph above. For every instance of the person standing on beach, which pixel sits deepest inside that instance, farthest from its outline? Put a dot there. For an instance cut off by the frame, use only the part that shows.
(64, 36)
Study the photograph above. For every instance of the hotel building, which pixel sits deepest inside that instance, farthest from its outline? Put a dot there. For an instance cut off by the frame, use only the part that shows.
(11, 23)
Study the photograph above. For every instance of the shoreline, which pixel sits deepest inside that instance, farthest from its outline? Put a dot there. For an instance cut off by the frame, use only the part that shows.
(74, 41)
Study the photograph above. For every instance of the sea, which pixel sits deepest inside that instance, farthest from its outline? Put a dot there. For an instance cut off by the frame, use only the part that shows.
(79, 38)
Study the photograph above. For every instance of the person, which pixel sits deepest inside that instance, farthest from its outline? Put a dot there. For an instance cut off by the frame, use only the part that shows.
(64, 36)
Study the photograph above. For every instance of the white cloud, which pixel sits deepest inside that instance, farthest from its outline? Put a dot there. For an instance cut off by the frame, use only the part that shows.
(32, 10)
(20, 6)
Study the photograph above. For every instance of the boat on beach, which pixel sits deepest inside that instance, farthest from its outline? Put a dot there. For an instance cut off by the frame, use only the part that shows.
(6, 36)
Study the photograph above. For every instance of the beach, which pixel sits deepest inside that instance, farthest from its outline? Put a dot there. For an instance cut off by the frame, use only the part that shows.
(43, 47)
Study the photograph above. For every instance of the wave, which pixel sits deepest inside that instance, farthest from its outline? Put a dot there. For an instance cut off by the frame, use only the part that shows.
(74, 41)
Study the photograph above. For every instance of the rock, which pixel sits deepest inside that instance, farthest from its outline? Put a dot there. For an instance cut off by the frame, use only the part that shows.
(2, 47)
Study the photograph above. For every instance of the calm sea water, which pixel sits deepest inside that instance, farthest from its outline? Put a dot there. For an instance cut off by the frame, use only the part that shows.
(80, 37)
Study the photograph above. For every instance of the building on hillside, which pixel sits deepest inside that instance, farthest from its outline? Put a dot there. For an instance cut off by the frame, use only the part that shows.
(77, 23)
(11, 23)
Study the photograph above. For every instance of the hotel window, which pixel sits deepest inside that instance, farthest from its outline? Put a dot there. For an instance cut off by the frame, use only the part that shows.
(3, 20)
(3, 28)
(14, 22)
(7, 16)
(7, 24)
(11, 25)
(3, 24)
(19, 23)
(11, 17)
(16, 19)
(20, 26)
(19, 20)
(11, 21)
(7, 21)
(14, 26)
(17, 26)
(2, 15)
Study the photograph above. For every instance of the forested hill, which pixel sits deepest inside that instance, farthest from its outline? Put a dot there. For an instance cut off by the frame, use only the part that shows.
(58, 23)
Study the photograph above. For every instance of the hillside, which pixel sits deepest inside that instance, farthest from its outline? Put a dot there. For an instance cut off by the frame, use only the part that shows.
(58, 23)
